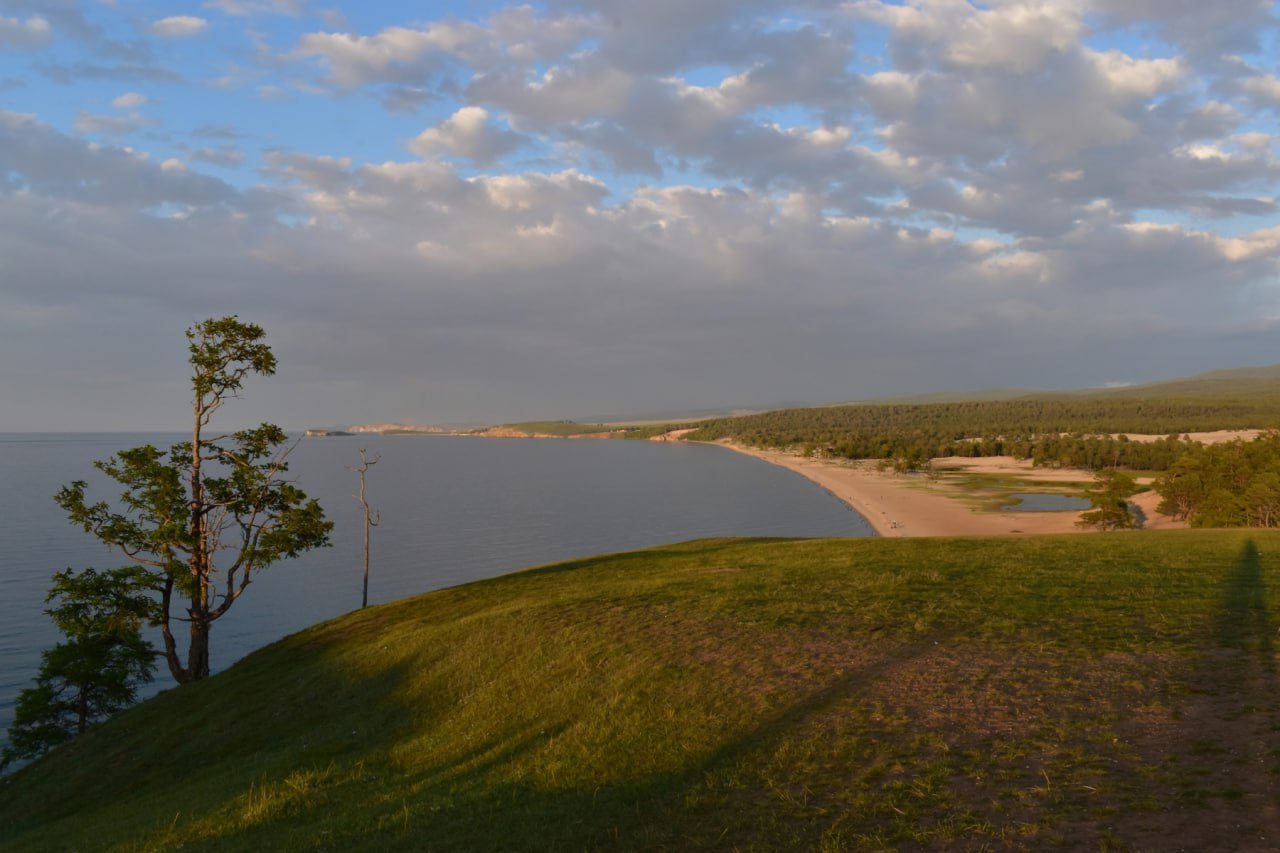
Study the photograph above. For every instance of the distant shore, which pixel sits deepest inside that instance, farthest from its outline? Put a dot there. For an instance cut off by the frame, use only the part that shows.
(902, 505)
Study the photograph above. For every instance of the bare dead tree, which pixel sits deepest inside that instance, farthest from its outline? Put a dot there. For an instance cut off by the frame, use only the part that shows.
(371, 517)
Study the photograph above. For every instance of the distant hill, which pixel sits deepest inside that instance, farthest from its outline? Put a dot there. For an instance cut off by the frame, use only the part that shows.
(980, 396)
(1215, 383)
(1078, 429)
(1232, 384)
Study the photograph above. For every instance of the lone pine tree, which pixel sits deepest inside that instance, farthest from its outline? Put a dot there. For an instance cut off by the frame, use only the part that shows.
(201, 519)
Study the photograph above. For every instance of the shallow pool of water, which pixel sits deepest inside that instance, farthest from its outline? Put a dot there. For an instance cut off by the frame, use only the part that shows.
(1040, 502)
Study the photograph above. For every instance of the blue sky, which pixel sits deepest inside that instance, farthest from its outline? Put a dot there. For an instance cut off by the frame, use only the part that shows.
(474, 212)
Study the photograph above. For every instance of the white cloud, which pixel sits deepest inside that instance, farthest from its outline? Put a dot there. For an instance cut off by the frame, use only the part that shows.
(273, 93)
(243, 8)
(1264, 87)
(397, 54)
(1254, 140)
(560, 94)
(1263, 243)
(90, 123)
(33, 32)
(1127, 77)
(1013, 36)
(179, 26)
(675, 276)
(974, 84)
(130, 100)
(53, 165)
(467, 133)
(1016, 37)
(223, 155)
(892, 92)
(1206, 31)
(1202, 152)
(531, 38)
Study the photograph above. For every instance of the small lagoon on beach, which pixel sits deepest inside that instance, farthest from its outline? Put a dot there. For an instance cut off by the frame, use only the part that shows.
(454, 509)
(1042, 502)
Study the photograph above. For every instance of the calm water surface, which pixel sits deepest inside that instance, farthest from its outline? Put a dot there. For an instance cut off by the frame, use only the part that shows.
(1042, 502)
(454, 509)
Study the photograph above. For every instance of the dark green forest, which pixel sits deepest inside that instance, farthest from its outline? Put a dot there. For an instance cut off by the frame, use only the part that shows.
(1235, 484)
(1075, 432)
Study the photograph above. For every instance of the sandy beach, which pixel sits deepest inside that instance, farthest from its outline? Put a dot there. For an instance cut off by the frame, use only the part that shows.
(899, 505)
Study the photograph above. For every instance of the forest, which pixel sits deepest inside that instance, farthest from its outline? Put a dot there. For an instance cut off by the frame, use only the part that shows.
(1235, 484)
(1072, 432)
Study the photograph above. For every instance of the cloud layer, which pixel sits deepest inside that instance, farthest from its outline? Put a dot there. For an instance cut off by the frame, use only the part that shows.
(610, 207)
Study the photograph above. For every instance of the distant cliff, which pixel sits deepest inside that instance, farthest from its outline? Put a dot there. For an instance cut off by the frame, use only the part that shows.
(402, 428)
(535, 429)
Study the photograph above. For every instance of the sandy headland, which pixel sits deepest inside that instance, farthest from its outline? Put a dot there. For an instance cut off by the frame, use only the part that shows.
(917, 505)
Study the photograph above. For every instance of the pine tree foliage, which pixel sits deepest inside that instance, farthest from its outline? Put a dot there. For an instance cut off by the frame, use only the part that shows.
(201, 519)
(1233, 484)
(1110, 497)
(1077, 433)
(96, 670)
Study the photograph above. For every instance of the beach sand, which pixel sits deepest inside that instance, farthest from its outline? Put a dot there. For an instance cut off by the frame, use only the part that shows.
(914, 505)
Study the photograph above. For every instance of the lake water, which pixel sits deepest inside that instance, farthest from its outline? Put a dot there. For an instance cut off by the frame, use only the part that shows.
(454, 509)
(1041, 502)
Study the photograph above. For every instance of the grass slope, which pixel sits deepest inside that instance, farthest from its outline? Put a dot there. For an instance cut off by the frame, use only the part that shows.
(1101, 691)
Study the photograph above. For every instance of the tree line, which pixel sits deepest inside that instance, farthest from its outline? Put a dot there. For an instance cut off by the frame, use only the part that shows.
(1080, 433)
(1233, 484)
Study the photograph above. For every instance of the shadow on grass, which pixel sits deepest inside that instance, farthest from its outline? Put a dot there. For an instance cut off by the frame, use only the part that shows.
(1243, 621)
(476, 799)
(1222, 764)
(191, 750)
(465, 803)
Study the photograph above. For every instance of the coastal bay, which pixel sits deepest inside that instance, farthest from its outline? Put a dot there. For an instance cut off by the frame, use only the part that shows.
(909, 505)
(455, 509)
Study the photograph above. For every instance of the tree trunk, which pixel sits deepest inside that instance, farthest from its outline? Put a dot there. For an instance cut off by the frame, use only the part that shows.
(198, 562)
(198, 651)
(364, 601)
(82, 711)
(170, 643)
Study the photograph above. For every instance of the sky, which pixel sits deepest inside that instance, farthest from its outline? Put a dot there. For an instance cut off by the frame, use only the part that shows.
(478, 212)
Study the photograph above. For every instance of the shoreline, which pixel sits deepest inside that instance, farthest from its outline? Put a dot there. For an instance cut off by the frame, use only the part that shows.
(897, 505)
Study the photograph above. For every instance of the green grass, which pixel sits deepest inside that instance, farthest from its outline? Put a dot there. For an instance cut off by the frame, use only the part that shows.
(1109, 691)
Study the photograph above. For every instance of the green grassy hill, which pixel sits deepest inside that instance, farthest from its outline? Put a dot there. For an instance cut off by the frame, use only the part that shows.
(1089, 691)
